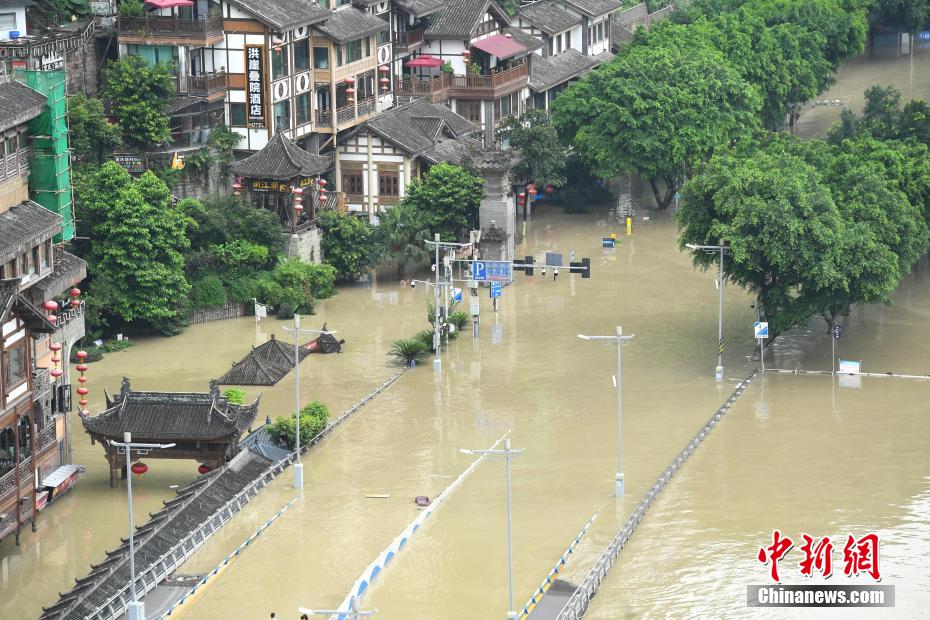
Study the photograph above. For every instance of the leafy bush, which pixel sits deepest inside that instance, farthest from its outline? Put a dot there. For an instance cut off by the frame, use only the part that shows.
(90, 135)
(285, 310)
(242, 254)
(235, 396)
(347, 243)
(243, 289)
(313, 418)
(426, 337)
(114, 346)
(207, 292)
(409, 350)
(459, 319)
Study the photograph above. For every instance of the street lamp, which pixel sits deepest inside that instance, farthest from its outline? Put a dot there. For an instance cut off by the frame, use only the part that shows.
(135, 610)
(507, 452)
(619, 339)
(298, 466)
(713, 249)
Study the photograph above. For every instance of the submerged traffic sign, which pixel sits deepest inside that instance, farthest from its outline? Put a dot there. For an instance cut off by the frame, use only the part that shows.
(497, 289)
(760, 329)
(491, 271)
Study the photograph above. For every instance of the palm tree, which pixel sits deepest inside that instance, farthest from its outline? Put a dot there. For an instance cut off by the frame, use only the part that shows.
(400, 237)
(409, 350)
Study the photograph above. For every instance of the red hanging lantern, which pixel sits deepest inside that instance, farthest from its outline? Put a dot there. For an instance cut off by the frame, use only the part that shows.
(139, 468)
(82, 379)
(204, 469)
(55, 359)
(55, 372)
(83, 391)
(550, 188)
(81, 367)
(75, 292)
(83, 402)
(384, 68)
(55, 346)
(81, 355)
(350, 80)
(50, 306)
(75, 303)
(350, 92)
(237, 188)
(52, 319)
(384, 82)
(466, 54)
(322, 182)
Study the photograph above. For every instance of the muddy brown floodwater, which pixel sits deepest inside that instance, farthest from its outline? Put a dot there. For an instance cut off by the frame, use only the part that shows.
(796, 453)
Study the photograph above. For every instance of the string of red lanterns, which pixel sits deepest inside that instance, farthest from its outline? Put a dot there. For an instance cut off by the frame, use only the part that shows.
(83, 391)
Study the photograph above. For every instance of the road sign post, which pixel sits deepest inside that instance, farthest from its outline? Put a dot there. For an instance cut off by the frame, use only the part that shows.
(837, 332)
(497, 289)
(761, 331)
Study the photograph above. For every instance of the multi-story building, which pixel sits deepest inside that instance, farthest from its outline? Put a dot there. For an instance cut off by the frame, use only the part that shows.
(34, 341)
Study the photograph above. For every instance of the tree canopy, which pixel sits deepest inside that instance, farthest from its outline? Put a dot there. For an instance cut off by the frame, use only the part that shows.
(543, 157)
(446, 199)
(138, 94)
(347, 243)
(90, 135)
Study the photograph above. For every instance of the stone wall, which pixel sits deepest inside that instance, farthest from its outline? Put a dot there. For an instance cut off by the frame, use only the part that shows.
(305, 245)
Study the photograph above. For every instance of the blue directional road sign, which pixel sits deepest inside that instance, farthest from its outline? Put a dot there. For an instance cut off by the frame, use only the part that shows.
(497, 289)
(761, 330)
(456, 295)
(491, 271)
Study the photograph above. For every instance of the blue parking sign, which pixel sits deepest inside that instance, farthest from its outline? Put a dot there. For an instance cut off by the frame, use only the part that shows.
(497, 289)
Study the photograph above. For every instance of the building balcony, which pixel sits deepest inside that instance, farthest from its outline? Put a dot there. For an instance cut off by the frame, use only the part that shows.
(405, 41)
(157, 30)
(346, 116)
(210, 85)
(485, 87)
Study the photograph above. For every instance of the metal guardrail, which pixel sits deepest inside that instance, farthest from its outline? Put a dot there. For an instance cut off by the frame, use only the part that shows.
(148, 579)
(576, 606)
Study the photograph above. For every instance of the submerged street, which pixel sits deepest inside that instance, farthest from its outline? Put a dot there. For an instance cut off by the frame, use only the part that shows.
(800, 453)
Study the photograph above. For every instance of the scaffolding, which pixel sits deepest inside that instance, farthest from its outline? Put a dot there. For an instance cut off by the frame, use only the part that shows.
(50, 164)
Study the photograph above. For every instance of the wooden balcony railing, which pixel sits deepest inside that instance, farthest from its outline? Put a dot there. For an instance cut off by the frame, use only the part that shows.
(169, 27)
(475, 86)
(207, 83)
(405, 40)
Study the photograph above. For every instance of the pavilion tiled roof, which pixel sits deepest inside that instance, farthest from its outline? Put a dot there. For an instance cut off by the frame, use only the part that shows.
(283, 15)
(24, 226)
(349, 24)
(459, 18)
(549, 16)
(281, 160)
(549, 71)
(420, 8)
(264, 365)
(162, 416)
(18, 104)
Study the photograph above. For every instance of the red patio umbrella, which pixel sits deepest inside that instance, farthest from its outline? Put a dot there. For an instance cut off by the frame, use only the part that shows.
(167, 4)
(425, 61)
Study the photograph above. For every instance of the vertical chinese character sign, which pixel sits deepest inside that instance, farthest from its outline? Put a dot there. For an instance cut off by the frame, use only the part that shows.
(255, 85)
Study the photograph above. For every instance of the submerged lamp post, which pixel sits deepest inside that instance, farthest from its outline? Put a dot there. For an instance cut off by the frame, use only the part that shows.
(507, 452)
(298, 466)
(713, 249)
(135, 609)
(619, 339)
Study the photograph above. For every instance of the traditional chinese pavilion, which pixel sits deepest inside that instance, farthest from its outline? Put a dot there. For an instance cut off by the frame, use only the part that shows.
(203, 426)
(285, 179)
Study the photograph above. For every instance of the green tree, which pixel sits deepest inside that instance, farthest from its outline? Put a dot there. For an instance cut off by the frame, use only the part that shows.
(657, 110)
(447, 199)
(409, 350)
(542, 156)
(90, 135)
(138, 94)
(235, 396)
(136, 248)
(786, 234)
(347, 243)
(313, 418)
(912, 15)
(399, 239)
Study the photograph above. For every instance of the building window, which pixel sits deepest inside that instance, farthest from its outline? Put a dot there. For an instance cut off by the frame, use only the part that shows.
(470, 110)
(302, 55)
(279, 66)
(568, 39)
(282, 115)
(600, 31)
(303, 109)
(352, 182)
(388, 184)
(324, 4)
(155, 54)
(14, 366)
(7, 21)
(558, 44)
(36, 261)
(43, 253)
(384, 37)
(339, 58)
(237, 115)
(321, 58)
(354, 50)
(550, 47)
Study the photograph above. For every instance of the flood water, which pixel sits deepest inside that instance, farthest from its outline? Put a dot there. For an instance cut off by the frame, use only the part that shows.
(795, 453)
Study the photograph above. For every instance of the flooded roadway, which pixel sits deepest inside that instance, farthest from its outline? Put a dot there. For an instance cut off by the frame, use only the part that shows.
(531, 374)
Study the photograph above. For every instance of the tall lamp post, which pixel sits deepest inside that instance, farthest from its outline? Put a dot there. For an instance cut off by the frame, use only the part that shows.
(135, 610)
(619, 339)
(507, 452)
(714, 249)
(298, 466)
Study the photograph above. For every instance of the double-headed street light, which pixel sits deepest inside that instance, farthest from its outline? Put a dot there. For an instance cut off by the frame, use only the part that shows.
(507, 452)
(619, 338)
(135, 609)
(298, 466)
(713, 249)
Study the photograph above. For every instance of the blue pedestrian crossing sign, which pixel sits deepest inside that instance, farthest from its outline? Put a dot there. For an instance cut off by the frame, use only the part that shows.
(761, 330)
(491, 271)
(456, 295)
(497, 289)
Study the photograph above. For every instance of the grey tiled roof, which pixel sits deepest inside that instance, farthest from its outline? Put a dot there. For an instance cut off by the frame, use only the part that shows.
(18, 104)
(68, 271)
(594, 8)
(619, 34)
(24, 226)
(193, 505)
(264, 365)
(459, 18)
(281, 160)
(460, 151)
(404, 125)
(549, 16)
(159, 416)
(419, 8)
(182, 102)
(525, 39)
(283, 15)
(546, 72)
(349, 24)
